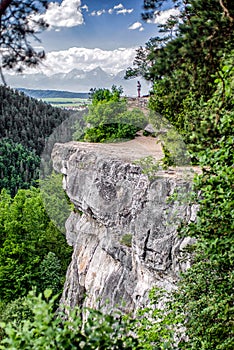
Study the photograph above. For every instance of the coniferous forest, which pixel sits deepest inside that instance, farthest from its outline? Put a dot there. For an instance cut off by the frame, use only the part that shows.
(26, 120)
(26, 124)
(191, 67)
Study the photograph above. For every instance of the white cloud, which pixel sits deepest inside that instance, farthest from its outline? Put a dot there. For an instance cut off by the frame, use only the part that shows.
(85, 7)
(164, 15)
(136, 25)
(66, 14)
(118, 9)
(124, 11)
(86, 59)
(98, 13)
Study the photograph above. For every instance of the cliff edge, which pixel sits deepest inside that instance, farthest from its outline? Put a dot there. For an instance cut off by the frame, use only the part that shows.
(125, 239)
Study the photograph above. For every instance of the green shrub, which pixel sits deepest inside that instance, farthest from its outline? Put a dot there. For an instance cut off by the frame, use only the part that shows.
(149, 166)
(110, 120)
(49, 330)
(110, 133)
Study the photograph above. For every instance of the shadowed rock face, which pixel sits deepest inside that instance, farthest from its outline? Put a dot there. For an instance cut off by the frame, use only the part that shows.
(125, 241)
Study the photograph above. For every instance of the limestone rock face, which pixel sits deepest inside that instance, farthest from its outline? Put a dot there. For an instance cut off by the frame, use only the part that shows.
(125, 241)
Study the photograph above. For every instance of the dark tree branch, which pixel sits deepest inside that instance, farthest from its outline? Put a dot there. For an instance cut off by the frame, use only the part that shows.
(15, 30)
(226, 12)
(2, 77)
(4, 4)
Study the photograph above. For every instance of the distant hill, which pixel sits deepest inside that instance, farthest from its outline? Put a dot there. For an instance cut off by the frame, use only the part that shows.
(41, 94)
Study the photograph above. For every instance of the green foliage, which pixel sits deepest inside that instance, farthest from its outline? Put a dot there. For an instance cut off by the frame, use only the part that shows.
(27, 236)
(109, 119)
(187, 58)
(207, 288)
(174, 148)
(105, 95)
(19, 167)
(156, 325)
(199, 103)
(56, 201)
(14, 311)
(113, 132)
(50, 273)
(105, 112)
(47, 330)
(200, 313)
(25, 125)
(167, 159)
(126, 239)
(149, 166)
(203, 302)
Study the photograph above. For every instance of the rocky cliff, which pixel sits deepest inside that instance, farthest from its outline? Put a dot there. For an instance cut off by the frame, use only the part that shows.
(125, 239)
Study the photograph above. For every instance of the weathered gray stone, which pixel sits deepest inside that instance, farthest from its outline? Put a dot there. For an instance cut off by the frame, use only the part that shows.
(119, 201)
(150, 129)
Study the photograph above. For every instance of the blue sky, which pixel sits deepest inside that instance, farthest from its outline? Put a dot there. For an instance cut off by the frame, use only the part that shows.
(105, 25)
(84, 34)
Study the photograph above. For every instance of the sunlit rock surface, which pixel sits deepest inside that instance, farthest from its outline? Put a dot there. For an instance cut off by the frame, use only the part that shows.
(125, 241)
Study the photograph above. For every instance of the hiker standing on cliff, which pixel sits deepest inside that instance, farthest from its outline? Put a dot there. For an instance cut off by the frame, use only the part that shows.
(139, 89)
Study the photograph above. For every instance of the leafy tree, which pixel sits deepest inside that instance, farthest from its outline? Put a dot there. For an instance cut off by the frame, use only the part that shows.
(185, 60)
(193, 74)
(27, 236)
(200, 313)
(109, 118)
(105, 95)
(16, 310)
(207, 288)
(19, 23)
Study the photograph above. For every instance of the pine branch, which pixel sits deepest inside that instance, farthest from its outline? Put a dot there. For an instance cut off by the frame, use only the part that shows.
(4, 4)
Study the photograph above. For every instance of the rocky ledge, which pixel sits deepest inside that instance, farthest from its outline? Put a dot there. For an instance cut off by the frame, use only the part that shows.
(125, 239)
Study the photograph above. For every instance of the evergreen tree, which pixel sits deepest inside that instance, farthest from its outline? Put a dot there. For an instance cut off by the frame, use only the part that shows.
(26, 120)
(19, 167)
(187, 57)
